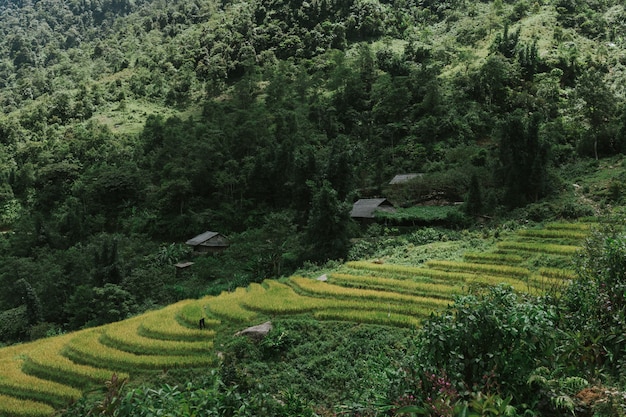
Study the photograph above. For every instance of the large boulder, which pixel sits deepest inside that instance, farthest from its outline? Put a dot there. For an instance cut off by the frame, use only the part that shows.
(256, 332)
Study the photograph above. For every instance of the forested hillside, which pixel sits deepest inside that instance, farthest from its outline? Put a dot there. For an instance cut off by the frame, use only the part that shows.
(128, 127)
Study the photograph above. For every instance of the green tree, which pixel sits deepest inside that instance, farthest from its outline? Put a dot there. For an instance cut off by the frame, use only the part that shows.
(31, 300)
(327, 231)
(491, 341)
(473, 201)
(599, 109)
(595, 304)
(524, 159)
(107, 269)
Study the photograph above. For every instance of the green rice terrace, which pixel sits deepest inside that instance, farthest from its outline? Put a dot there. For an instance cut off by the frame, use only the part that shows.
(40, 377)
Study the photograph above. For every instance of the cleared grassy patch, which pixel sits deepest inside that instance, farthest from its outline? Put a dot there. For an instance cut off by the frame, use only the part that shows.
(397, 285)
(16, 407)
(124, 336)
(46, 361)
(478, 268)
(85, 348)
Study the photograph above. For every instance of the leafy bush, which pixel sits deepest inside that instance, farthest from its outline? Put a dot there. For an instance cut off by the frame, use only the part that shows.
(487, 343)
(13, 324)
(595, 304)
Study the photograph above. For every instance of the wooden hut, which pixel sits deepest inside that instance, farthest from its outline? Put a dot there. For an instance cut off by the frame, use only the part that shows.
(365, 208)
(208, 242)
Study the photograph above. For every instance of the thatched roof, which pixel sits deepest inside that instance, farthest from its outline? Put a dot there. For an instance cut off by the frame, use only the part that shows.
(365, 207)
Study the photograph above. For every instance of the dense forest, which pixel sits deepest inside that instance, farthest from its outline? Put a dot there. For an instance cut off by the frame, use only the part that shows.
(130, 126)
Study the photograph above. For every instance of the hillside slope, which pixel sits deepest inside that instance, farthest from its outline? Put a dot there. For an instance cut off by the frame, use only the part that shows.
(37, 377)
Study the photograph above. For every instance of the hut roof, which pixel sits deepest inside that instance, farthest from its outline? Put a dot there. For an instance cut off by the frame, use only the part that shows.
(402, 178)
(365, 207)
(202, 238)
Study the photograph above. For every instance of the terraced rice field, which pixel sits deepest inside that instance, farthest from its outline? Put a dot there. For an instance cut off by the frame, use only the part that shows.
(37, 378)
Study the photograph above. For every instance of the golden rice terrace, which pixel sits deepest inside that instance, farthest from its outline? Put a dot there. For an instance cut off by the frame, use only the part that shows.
(40, 377)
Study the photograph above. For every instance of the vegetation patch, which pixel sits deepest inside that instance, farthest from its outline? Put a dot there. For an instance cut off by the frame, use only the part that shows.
(16, 407)
(85, 348)
(371, 317)
(192, 311)
(537, 247)
(419, 214)
(228, 306)
(565, 234)
(480, 268)
(162, 324)
(414, 287)
(44, 360)
(124, 336)
(16, 383)
(493, 258)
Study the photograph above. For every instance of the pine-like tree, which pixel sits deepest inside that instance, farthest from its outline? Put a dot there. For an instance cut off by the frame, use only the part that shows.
(474, 200)
(30, 298)
(327, 228)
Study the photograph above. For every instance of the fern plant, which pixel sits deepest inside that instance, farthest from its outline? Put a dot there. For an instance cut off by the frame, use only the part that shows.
(561, 391)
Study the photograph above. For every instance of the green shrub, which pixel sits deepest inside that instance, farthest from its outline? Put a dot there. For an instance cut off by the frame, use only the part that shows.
(595, 304)
(13, 324)
(486, 343)
(425, 236)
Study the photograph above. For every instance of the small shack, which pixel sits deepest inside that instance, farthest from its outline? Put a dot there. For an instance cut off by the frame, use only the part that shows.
(365, 208)
(183, 267)
(208, 242)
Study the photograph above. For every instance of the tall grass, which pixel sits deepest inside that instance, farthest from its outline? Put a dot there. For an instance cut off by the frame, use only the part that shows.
(535, 247)
(192, 311)
(17, 407)
(558, 273)
(16, 383)
(407, 271)
(397, 285)
(478, 268)
(281, 299)
(228, 306)
(44, 360)
(372, 317)
(581, 227)
(449, 277)
(566, 234)
(124, 336)
(546, 284)
(162, 324)
(310, 286)
(86, 348)
(493, 258)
